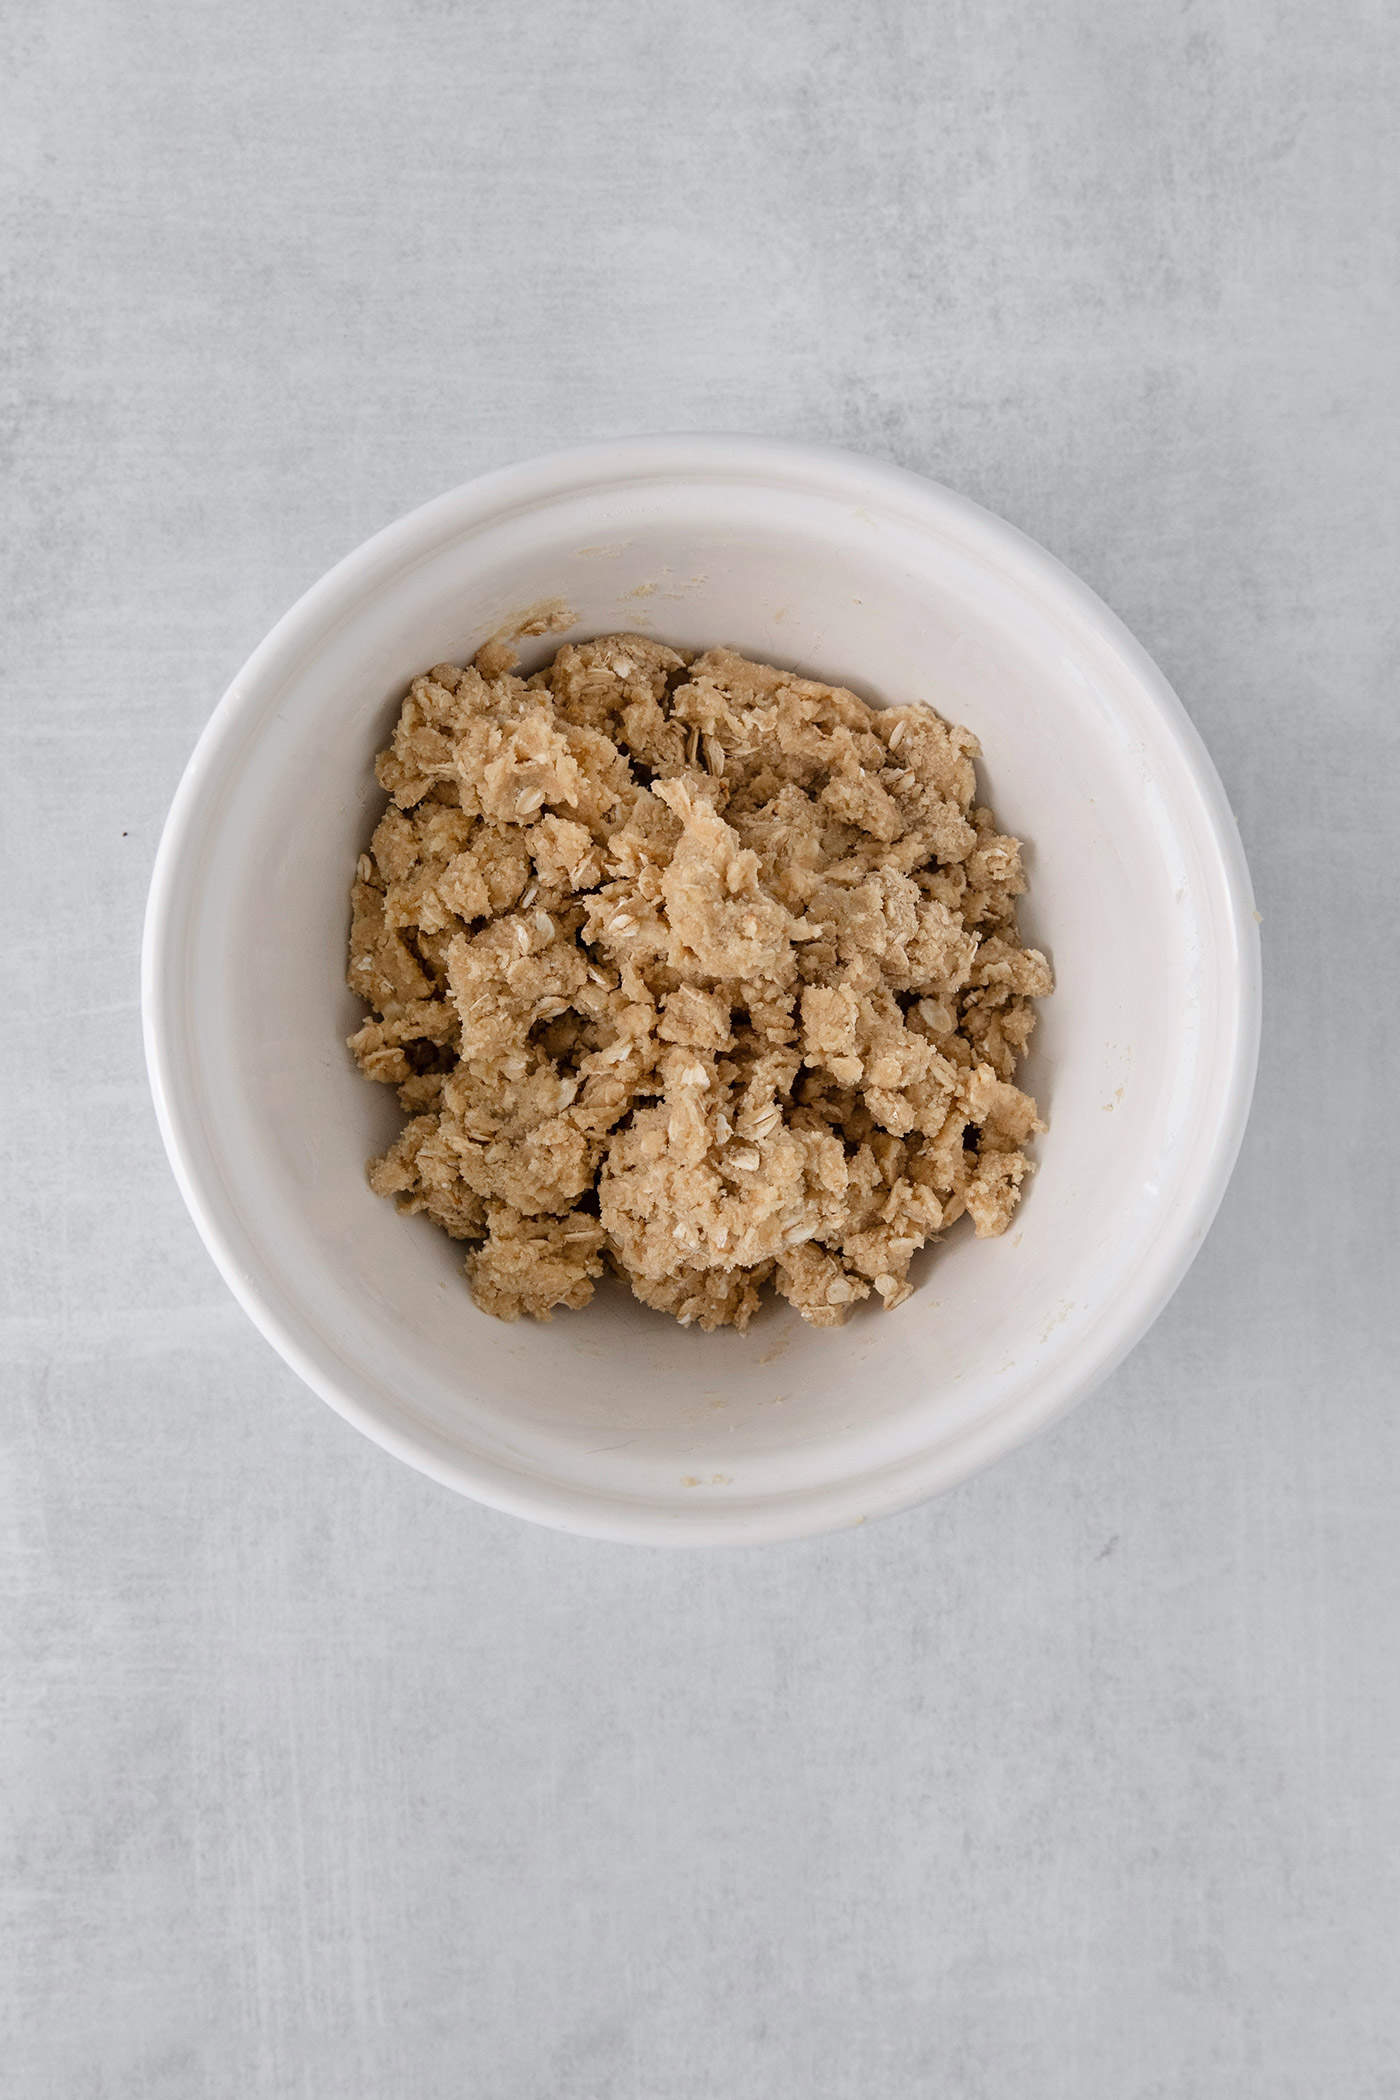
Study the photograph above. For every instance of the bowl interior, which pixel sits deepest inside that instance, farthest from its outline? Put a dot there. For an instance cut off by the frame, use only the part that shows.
(615, 1419)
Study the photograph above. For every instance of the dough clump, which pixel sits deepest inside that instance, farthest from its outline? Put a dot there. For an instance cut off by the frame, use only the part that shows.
(694, 970)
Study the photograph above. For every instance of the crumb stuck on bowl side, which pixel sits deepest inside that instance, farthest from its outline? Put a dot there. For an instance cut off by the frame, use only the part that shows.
(693, 968)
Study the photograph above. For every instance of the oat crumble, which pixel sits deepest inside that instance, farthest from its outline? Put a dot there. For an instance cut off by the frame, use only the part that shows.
(694, 970)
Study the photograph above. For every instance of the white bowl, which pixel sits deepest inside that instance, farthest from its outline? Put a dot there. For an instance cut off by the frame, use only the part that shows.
(614, 1421)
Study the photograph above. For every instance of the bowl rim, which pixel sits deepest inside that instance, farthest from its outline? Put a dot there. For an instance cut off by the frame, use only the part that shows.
(514, 489)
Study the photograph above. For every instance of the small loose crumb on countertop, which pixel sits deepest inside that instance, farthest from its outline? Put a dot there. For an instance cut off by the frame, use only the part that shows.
(692, 970)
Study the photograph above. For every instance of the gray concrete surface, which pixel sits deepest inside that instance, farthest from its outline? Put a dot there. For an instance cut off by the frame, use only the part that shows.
(315, 1782)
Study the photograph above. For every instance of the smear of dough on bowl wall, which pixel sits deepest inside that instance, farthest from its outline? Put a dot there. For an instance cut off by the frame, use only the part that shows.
(687, 967)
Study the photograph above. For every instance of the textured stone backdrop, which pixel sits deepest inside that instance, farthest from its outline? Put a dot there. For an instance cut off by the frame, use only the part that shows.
(316, 1782)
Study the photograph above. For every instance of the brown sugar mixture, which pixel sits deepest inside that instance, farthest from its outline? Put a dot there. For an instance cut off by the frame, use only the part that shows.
(693, 970)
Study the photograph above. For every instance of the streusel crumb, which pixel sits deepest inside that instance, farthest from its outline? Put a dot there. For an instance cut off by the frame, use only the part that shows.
(693, 970)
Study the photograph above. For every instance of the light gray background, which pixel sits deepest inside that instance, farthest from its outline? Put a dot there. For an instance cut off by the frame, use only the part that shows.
(1083, 1784)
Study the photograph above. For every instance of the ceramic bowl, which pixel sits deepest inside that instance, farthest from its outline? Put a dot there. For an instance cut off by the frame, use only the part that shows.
(616, 1422)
